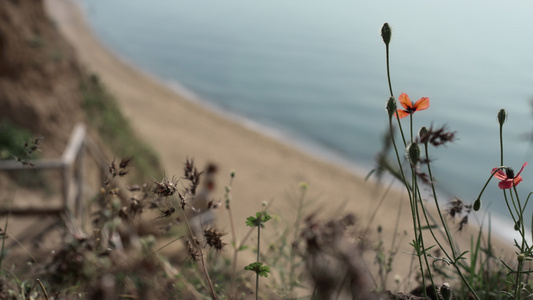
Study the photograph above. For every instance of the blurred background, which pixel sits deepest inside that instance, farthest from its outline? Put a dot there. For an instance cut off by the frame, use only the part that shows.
(313, 74)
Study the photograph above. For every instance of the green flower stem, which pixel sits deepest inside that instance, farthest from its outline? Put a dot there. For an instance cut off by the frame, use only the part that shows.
(521, 218)
(453, 260)
(487, 183)
(292, 254)
(401, 130)
(418, 198)
(411, 123)
(446, 229)
(399, 160)
(509, 207)
(202, 259)
(388, 69)
(257, 273)
(260, 270)
(527, 200)
(522, 248)
(501, 144)
(443, 221)
(519, 211)
(412, 203)
(516, 209)
(233, 235)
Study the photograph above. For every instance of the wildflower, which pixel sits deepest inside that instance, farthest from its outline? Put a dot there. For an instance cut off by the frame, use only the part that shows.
(507, 177)
(410, 108)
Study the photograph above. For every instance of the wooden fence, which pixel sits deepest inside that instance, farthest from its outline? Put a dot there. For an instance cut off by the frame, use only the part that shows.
(71, 165)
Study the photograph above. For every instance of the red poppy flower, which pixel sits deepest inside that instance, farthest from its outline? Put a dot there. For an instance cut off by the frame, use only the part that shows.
(507, 177)
(410, 108)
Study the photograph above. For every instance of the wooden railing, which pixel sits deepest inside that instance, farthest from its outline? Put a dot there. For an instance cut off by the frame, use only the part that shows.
(71, 165)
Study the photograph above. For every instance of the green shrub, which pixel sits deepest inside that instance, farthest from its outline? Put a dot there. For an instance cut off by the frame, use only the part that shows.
(105, 116)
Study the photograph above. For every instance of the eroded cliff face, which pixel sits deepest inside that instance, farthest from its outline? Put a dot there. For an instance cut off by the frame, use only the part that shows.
(39, 75)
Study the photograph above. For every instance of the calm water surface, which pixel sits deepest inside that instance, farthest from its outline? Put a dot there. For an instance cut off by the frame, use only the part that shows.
(313, 72)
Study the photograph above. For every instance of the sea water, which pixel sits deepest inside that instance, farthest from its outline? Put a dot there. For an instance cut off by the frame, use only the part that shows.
(314, 73)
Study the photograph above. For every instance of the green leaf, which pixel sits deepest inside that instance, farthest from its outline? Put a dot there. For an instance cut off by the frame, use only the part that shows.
(258, 268)
(251, 221)
(258, 220)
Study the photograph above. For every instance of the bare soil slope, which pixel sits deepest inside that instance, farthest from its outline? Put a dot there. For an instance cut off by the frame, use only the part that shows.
(39, 75)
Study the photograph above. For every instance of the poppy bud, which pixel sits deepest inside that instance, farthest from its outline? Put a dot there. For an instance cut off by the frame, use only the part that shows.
(477, 204)
(502, 116)
(391, 107)
(423, 135)
(413, 152)
(517, 225)
(386, 33)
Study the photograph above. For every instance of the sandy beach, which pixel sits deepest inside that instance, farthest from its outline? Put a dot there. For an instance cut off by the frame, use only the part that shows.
(266, 169)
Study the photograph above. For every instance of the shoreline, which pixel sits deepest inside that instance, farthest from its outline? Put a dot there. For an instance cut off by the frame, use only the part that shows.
(266, 167)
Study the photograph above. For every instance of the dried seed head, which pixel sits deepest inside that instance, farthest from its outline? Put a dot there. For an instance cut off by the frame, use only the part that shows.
(134, 188)
(165, 213)
(123, 213)
(456, 207)
(125, 162)
(213, 238)
(422, 175)
(386, 33)
(463, 222)
(112, 168)
(183, 201)
(136, 206)
(193, 252)
(437, 137)
(165, 188)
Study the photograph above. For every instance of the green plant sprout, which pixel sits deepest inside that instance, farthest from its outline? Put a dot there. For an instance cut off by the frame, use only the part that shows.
(258, 221)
